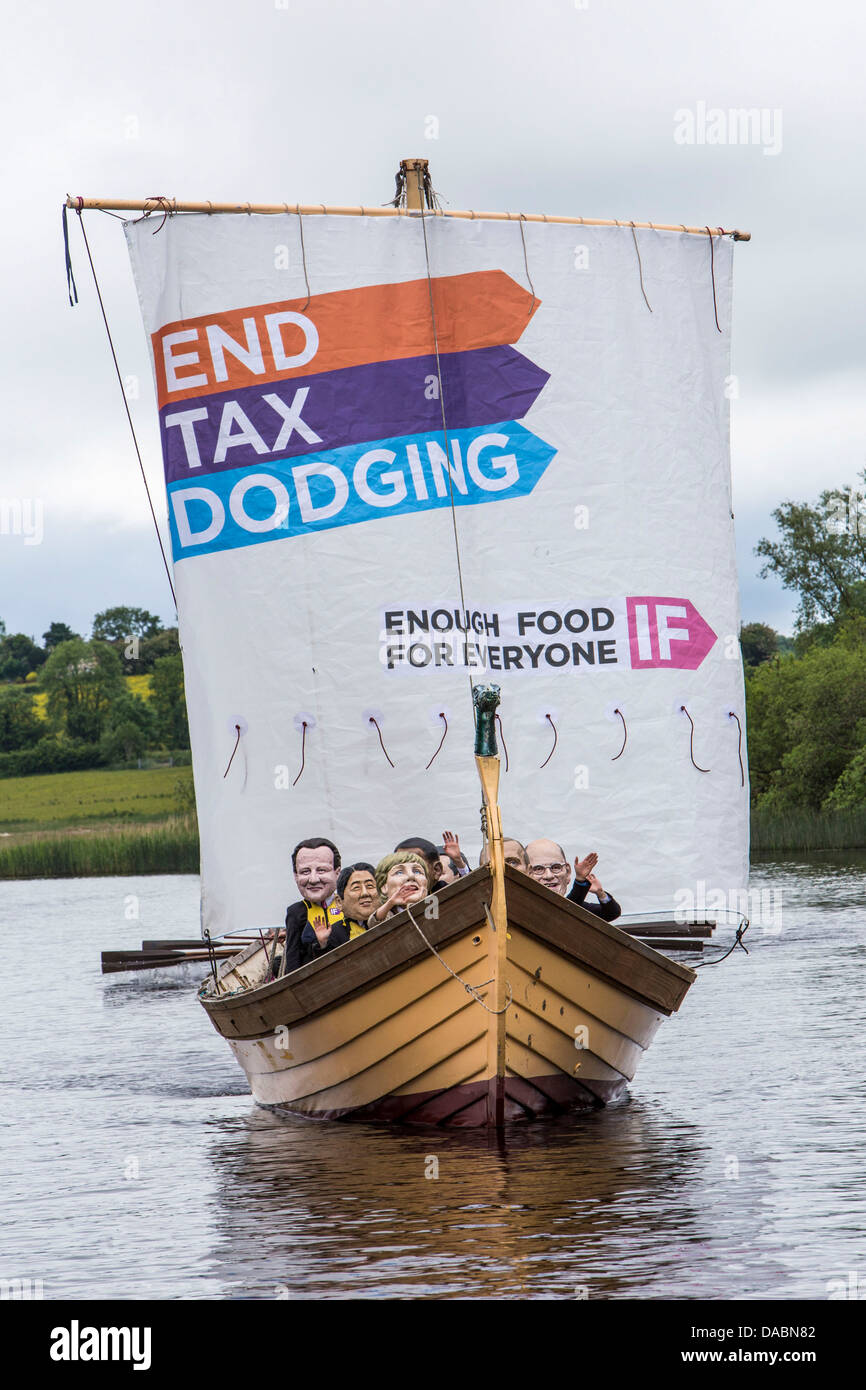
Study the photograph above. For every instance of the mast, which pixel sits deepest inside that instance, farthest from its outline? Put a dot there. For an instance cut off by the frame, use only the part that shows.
(486, 699)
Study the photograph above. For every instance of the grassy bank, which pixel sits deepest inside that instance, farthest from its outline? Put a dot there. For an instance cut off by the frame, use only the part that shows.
(92, 798)
(807, 830)
(168, 847)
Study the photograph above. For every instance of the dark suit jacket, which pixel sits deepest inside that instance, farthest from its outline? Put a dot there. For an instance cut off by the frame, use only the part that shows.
(300, 952)
(608, 912)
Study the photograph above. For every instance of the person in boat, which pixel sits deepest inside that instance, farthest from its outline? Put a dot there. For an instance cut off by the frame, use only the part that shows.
(316, 924)
(358, 895)
(429, 853)
(515, 855)
(449, 870)
(402, 878)
(450, 848)
(549, 866)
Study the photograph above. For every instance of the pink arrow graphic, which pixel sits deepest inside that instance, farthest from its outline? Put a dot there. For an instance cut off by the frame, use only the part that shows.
(667, 632)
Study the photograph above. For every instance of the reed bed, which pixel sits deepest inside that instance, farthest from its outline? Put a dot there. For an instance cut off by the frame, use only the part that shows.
(171, 847)
(807, 830)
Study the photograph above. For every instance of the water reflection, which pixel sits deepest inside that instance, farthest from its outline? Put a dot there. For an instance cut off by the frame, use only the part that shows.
(601, 1206)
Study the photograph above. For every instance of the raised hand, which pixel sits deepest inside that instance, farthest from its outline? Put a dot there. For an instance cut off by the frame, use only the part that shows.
(583, 867)
(451, 847)
(595, 886)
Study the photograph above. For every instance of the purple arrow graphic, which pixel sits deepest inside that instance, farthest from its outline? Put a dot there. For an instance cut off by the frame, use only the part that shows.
(317, 413)
(667, 632)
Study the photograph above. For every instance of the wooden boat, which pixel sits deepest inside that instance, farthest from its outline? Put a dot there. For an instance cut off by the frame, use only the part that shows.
(508, 1003)
(379, 1029)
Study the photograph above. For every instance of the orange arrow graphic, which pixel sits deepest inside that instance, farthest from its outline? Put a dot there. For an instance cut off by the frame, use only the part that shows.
(379, 323)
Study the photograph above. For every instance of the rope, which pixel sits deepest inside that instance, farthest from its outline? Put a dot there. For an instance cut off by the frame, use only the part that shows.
(441, 741)
(555, 741)
(304, 260)
(640, 268)
(234, 750)
(374, 720)
(504, 746)
(164, 206)
(692, 740)
(126, 406)
(738, 941)
(303, 751)
(526, 264)
(70, 278)
(463, 604)
(713, 277)
(470, 989)
(624, 736)
(732, 715)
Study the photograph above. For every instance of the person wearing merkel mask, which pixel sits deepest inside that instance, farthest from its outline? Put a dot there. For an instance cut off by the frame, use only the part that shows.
(402, 879)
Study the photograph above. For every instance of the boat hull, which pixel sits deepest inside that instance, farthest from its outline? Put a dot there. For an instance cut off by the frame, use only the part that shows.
(395, 1027)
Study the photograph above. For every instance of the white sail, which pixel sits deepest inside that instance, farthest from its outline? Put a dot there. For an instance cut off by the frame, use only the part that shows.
(313, 532)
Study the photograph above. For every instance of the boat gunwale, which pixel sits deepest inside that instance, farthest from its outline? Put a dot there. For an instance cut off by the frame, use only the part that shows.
(440, 931)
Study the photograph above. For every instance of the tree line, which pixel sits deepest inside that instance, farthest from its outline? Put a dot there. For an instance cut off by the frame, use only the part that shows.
(806, 695)
(92, 717)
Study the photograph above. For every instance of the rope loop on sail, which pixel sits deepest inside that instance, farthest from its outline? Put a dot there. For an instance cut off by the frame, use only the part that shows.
(684, 711)
(444, 719)
(624, 735)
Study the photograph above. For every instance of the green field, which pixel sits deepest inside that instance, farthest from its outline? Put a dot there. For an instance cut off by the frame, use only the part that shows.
(91, 799)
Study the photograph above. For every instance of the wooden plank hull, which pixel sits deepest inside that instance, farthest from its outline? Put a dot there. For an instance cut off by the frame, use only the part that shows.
(384, 1029)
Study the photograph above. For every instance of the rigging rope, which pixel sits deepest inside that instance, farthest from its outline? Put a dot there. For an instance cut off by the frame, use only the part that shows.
(738, 941)
(504, 745)
(470, 989)
(126, 407)
(640, 268)
(304, 260)
(526, 263)
(713, 276)
(444, 422)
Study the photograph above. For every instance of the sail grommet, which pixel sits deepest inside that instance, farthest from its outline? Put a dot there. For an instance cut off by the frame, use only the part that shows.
(303, 720)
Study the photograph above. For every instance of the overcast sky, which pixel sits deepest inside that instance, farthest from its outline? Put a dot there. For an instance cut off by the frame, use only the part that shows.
(550, 106)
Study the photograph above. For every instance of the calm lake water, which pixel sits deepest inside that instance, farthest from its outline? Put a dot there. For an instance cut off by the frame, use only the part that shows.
(135, 1164)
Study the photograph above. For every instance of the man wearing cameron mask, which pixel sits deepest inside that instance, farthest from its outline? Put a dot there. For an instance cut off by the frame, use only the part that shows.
(316, 924)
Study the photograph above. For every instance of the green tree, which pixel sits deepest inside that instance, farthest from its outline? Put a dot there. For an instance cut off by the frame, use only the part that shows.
(152, 649)
(20, 725)
(82, 680)
(130, 728)
(119, 624)
(807, 723)
(758, 643)
(57, 633)
(19, 655)
(169, 703)
(821, 555)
